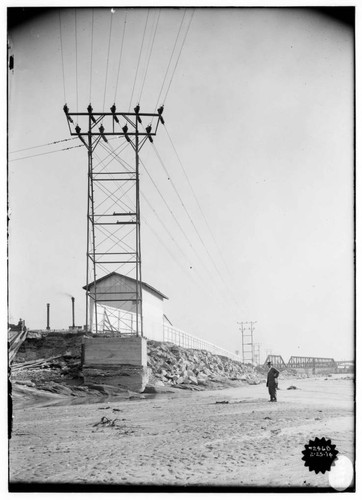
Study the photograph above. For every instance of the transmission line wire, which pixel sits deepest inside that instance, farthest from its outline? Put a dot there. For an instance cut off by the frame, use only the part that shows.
(196, 200)
(109, 47)
(76, 56)
(91, 60)
(165, 227)
(139, 57)
(42, 145)
(182, 230)
(61, 52)
(171, 254)
(178, 194)
(169, 62)
(182, 45)
(173, 216)
(167, 205)
(150, 53)
(47, 153)
(120, 55)
(191, 220)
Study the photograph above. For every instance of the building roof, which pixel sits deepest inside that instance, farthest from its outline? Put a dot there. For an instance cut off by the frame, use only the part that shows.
(144, 285)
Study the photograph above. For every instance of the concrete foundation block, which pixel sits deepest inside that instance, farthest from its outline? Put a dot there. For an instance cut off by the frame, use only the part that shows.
(127, 377)
(120, 362)
(115, 351)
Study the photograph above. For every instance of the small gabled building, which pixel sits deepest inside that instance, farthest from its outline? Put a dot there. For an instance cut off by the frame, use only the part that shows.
(116, 307)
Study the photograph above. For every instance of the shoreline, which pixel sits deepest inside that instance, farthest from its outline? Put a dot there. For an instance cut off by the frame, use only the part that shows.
(228, 438)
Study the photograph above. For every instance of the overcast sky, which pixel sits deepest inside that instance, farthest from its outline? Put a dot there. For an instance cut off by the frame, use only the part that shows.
(260, 112)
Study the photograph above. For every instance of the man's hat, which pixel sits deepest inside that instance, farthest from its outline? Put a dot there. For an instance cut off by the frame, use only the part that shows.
(269, 363)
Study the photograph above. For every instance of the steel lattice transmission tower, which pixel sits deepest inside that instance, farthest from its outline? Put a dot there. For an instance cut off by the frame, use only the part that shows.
(113, 141)
(247, 342)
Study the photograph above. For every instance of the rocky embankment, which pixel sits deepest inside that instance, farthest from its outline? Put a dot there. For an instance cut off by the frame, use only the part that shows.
(170, 367)
(176, 366)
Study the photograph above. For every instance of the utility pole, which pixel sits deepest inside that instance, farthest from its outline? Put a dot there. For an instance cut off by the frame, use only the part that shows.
(113, 204)
(247, 340)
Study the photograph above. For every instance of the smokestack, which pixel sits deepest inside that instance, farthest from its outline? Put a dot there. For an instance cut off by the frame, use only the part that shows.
(48, 314)
(73, 321)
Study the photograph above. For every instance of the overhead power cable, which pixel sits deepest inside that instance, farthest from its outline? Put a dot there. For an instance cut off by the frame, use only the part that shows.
(165, 228)
(149, 55)
(47, 153)
(185, 209)
(76, 56)
(42, 145)
(175, 218)
(61, 52)
(91, 59)
(167, 205)
(109, 47)
(197, 201)
(191, 220)
(120, 55)
(178, 58)
(139, 56)
(169, 62)
(201, 284)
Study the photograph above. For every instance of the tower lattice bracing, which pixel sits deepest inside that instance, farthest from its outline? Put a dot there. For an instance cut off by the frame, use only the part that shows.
(113, 141)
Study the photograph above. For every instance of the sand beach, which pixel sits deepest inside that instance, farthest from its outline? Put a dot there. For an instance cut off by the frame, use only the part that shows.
(229, 438)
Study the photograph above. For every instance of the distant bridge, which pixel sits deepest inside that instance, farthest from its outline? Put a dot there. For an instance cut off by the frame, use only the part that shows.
(310, 362)
(277, 361)
(305, 362)
(345, 366)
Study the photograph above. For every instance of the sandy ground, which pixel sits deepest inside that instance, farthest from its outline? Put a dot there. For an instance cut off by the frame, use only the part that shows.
(186, 439)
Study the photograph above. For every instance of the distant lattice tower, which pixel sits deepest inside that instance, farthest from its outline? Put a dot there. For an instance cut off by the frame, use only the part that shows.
(247, 343)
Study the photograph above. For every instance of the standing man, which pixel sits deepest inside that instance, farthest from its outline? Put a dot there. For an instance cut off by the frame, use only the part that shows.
(271, 381)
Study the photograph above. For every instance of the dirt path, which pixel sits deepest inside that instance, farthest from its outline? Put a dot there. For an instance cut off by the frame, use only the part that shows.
(186, 439)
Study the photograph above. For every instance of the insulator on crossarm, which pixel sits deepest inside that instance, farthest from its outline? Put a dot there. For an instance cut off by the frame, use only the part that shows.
(66, 111)
(137, 110)
(148, 130)
(78, 129)
(90, 111)
(160, 111)
(101, 130)
(113, 111)
(125, 130)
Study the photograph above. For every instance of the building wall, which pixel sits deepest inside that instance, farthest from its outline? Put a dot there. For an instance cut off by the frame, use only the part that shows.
(123, 313)
(152, 316)
(116, 284)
